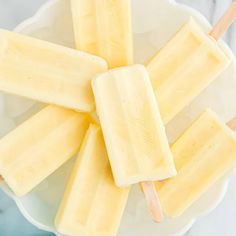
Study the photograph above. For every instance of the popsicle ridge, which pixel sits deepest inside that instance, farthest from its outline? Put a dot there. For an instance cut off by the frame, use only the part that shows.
(92, 204)
(189, 62)
(103, 28)
(203, 154)
(47, 72)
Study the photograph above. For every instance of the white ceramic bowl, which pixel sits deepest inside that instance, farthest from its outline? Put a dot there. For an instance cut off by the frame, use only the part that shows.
(155, 21)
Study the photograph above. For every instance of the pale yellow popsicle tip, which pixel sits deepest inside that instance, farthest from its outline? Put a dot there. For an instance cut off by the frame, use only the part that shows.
(41, 144)
(104, 28)
(133, 130)
(92, 204)
(203, 154)
(3, 45)
(47, 72)
(184, 67)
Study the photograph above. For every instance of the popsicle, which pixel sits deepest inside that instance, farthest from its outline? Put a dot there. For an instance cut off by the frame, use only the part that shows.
(133, 131)
(134, 134)
(39, 146)
(189, 62)
(103, 28)
(203, 154)
(92, 204)
(47, 72)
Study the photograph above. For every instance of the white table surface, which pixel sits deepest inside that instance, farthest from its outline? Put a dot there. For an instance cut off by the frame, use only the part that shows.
(221, 222)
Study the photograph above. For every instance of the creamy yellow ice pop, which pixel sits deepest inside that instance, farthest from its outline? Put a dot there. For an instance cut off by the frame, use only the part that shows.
(103, 28)
(203, 154)
(189, 62)
(47, 72)
(92, 204)
(133, 130)
(39, 146)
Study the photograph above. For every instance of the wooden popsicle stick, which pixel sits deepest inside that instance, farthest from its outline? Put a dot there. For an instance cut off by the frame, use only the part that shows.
(232, 124)
(224, 23)
(153, 201)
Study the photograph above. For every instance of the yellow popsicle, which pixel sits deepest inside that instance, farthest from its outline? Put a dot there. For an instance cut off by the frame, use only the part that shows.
(39, 146)
(47, 72)
(203, 154)
(133, 130)
(103, 28)
(92, 204)
(189, 62)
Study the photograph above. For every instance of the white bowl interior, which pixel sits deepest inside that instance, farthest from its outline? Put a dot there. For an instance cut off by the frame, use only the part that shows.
(53, 23)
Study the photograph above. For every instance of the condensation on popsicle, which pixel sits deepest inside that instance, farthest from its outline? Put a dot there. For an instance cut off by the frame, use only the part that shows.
(135, 137)
(39, 146)
(92, 203)
(189, 62)
(103, 28)
(203, 154)
(47, 72)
